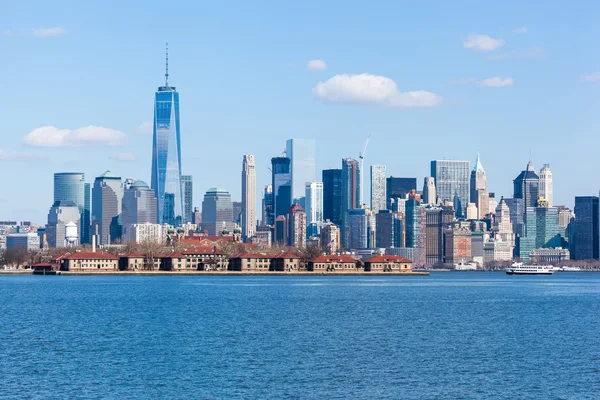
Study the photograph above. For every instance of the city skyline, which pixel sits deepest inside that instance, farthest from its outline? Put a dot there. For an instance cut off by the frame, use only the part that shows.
(102, 131)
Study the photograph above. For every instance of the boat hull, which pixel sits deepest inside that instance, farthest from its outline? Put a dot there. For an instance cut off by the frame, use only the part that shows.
(529, 273)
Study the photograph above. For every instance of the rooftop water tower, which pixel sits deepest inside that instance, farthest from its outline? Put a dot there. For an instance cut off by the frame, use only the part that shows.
(71, 235)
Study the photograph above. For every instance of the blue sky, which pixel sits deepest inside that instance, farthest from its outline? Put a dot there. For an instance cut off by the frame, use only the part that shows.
(442, 80)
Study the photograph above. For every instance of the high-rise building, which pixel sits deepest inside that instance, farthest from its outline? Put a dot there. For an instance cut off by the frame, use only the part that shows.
(281, 230)
(378, 188)
(197, 216)
(248, 196)
(541, 230)
(503, 227)
(188, 197)
(139, 207)
(268, 212)
(564, 216)
(330, 237)
(517, 212)
(332, 196)
(358, 229)
(282, 185)
(585, 241)
(217, 211)
(545, 186)
(107, 196)
(526, 186)
(302, 154)
(457, 245)
(429, 195)
(60, 215)
(389, 229)
(452, 183)
(471, 211)
(414, 223)
(314, 202)
(296, 226)
(399, 188)
(236, 208)
(71, 186)
(437, 220)
(166, 154)
(350, 193)
(478, 180)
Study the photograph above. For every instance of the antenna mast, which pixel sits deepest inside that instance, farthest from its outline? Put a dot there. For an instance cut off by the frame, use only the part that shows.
(167, 66)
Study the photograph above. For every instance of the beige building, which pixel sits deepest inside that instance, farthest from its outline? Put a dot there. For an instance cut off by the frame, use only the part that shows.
(246, 262)
(89, 261)
(248, 217)
(497, 251)
(285, 262)
(388, 263)
(330, 237)
(334, 263)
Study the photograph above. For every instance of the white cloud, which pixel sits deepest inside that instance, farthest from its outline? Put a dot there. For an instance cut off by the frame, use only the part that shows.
(496, 82)
(371, 89)
(50, 136)
(124, 157)
(482, 42)
(145, 128)
(527, 54)
(520, 30)
(316, 65)
(593, 77)
(20, 156)
(49, 32)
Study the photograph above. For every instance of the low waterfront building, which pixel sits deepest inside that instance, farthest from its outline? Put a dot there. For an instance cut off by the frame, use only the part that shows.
(388, 263)
(334, 263)
(89, 261)
(132, 261)
(285, 262)
(549, 256)
(246, 262)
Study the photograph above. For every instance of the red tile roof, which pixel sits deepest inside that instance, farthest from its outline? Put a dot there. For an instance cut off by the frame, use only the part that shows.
(60, 256)
(287, 255)
(88, 255)
(251, 255)
(202, 250)
(344, 258)
(133, 254)
(387, 258)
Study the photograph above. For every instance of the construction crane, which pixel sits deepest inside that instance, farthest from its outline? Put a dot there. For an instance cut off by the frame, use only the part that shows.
(361, 156)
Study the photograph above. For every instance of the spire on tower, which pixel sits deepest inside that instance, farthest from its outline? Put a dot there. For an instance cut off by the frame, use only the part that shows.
(167, 65)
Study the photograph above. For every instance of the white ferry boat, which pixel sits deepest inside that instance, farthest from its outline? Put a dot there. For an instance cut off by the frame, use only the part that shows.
(465, 266)
(522, 269)
(570, 269)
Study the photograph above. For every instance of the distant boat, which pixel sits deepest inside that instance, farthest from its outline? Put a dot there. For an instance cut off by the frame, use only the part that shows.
(570, 269)
(465, 266)
(523, 269)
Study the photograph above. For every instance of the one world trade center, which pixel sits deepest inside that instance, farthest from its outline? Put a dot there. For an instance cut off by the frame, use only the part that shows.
(166, 154)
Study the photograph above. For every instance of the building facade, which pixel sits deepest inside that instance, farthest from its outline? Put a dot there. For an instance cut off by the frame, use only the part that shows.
(107, 198)
(268, 206)
(350, 193)
(27, 241)
(314, 202)
(545, 185)
(188, 197)
(332, 195)
(139, 207)
(452, 181)
(585, 235)
(282, 185)
(61, 213)
(217, 211)
(71, 186)
(429, 193)
(378, 188)
(541, 230)
(248, 196)
(526, 186)
(297, 227)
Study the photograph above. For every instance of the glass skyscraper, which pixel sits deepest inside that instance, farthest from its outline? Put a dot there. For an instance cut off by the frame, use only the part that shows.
(584, 245)
(452, 180)
(166, 155)
(301, 152)
(71, 186)
(282, 185)
(188, 197)
(332, 196)
(217, 211)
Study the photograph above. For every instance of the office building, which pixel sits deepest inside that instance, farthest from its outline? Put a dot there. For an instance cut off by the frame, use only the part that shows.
(457, 245)
(526, 186)
(27, 241)
(71, 186)
(107, 198)
(541, 230)
(146, 232)
(389, 229)
(268, 206)
(585, 241)
(217, 211)
(248, 218)
(332, 196)
(188, 197)
(517, 212)
(437, 220)
(350, 193)
(314, 202)
(282, 185)
(429, 194)
(358, 229)
(60, 215)
(452, 183)
(414, 223)
(197, 216)
(296, 226)
(302, 155)
(166, 155)
(139, 207)
(281, 230)
(331, 237)
(471, 212)
(545, 185)
(503, 227)
(378, 188)
(478, 180)
(236, 207)
(399, 187)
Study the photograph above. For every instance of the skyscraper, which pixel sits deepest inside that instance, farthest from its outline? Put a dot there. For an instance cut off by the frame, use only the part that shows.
(526, 186)
(217, 211)
(332, 196)
(452, 180)
(61, 213)
(541, 230)
(268, 215)
(429, 195)
(585, 241)
(248, 196)
(399, 188)
(166, 154)
(350, 192)
(282, 185)
(390, 229)
(545, 187)
(139, 206)
(296, 226)
(378, 188)
(188, 197)
(358, 229)
(478, 180)
(302, 154)
(314, 202)
(107, 196)
(71, 186)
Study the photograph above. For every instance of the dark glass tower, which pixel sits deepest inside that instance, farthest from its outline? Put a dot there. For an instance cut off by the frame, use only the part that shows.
(332, 195)
(584, 245)
(166, 154)
(282, 185)
(71, 186)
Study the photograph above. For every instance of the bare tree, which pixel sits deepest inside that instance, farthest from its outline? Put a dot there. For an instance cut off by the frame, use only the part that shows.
(15, 257)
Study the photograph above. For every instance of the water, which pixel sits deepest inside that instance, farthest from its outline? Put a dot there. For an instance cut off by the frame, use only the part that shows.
(450, 335)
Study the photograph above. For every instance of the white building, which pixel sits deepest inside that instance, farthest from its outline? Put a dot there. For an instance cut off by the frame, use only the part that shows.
(545, 188)
(471, 211)
(429, 195)
(497, 251)
(378, 188)
(146, 232)
(248, 196)
(314, 202)
(503, 226)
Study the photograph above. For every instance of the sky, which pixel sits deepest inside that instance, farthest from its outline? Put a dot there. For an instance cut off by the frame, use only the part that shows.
(512, 80)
